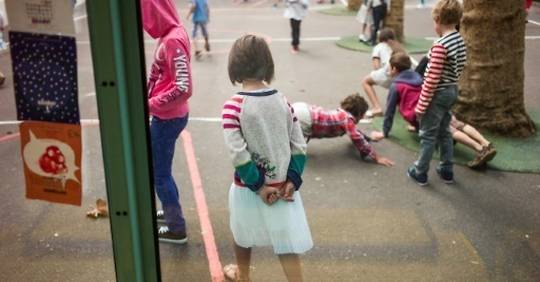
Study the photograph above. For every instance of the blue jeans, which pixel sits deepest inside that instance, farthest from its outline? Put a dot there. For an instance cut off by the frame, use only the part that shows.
(164, 134)
(435, 130)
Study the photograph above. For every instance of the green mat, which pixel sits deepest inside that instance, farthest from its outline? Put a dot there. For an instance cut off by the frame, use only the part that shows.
(337, 10)
(516, 155)
(412, 45)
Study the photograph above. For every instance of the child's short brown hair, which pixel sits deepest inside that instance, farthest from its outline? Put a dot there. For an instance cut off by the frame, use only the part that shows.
(250, 58)
(447, 12)
(386, 34)
(355, 104)
(401, 61)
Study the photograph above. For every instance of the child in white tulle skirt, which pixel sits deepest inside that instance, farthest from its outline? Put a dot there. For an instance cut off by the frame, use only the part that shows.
(268, 152)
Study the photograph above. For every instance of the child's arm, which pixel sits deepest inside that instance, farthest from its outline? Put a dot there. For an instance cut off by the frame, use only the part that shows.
(207, 12)
(174, 54)
(298, 151)
(363, 145)
(191, 9)
(376, 63)
(391, 104)
(245, 168)
(432, 78)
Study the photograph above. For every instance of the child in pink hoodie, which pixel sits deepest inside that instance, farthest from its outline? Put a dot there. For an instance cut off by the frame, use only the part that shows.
(169, 88)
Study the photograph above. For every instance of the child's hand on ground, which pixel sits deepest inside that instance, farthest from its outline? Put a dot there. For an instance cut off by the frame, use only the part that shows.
(269, 194)
(384, 161)
(376, 136)
(287, 191)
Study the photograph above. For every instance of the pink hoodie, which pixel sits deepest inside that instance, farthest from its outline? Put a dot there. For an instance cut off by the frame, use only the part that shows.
(169, 83)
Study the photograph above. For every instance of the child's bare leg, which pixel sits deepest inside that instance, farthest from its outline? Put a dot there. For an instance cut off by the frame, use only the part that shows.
(367, 84)
(474, 134)
(292, 267)
(464, 139)
(243, 259)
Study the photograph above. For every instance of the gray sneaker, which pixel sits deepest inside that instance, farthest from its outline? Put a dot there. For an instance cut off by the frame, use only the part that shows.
(165, 235)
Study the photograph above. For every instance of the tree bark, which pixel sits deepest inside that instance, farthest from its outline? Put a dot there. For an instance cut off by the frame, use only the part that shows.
(491, 86)
(394, 19)
(354, 5)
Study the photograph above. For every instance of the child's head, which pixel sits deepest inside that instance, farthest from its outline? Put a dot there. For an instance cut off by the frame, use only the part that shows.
(356, 105)
(446, 15)
(399, 61)
(386, 34)
(250, 59)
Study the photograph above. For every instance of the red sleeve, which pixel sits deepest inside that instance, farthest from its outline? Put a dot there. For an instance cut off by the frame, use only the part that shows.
(432, 77)
(359, 141)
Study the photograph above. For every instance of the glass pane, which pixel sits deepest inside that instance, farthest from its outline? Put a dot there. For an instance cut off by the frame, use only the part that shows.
(43, 241)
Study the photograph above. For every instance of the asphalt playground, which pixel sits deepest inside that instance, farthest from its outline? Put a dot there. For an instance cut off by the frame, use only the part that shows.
(369, 223)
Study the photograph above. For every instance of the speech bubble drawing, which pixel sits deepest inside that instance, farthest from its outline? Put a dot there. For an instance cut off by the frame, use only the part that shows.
(50, 158)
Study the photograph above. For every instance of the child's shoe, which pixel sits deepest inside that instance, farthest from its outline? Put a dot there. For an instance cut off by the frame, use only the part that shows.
(419, 178)
(446, 176)
(166, 235)
(486, 155)
(160, 216)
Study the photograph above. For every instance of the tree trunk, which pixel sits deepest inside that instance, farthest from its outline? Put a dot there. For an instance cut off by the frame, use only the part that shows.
(354, 5)
(394, 19)
(491, 86)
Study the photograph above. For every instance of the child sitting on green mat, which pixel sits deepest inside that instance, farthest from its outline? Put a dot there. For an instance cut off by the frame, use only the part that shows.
(404, 92)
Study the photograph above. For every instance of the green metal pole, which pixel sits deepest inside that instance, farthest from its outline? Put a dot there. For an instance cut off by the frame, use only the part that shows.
(119, 73)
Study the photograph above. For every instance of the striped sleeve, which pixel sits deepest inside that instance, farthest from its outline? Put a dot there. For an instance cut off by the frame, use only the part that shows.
(298, 151)
(432, 77)
(245, 167)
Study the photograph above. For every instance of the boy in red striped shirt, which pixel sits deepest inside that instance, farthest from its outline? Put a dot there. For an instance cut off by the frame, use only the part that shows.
(447, 58)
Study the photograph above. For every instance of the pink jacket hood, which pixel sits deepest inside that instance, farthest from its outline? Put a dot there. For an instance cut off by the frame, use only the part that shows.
(169, 83)
(159, 17)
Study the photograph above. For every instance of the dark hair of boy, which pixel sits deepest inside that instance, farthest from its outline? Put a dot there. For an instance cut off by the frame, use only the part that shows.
(447, 12)
(389, 36)
(400, 61)
(355, 104)
(250, 59)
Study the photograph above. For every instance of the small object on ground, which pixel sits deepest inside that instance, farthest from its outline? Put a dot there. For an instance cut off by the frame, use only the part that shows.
(411, 128)
(365, 120)
(231, 273)
(101, 209)
(372, 114)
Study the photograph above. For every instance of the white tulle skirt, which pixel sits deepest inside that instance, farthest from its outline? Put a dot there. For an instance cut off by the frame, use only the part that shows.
(282, 225)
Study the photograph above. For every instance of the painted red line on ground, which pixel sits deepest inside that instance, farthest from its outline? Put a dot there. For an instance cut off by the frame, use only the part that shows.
(9, 137)
(202, 210)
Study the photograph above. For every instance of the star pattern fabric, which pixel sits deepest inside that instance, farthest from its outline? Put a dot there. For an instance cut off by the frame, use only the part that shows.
(45, 77)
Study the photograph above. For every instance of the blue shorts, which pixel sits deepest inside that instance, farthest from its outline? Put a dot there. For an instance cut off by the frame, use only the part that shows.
(196, 26)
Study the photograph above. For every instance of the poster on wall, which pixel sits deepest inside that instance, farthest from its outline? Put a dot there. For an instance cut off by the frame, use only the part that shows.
(52, 161)
(41, 16)
(45, 77)
(44, 62)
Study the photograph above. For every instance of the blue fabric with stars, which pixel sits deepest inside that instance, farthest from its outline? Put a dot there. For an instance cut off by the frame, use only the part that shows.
(45, 77)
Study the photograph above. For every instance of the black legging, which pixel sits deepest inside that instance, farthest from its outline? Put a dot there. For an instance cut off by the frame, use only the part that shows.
(295, 26)
(379, 12)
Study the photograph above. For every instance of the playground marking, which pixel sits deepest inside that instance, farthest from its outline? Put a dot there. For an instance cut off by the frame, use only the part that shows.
(534, 22)
(9, 137)
(202, 210)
